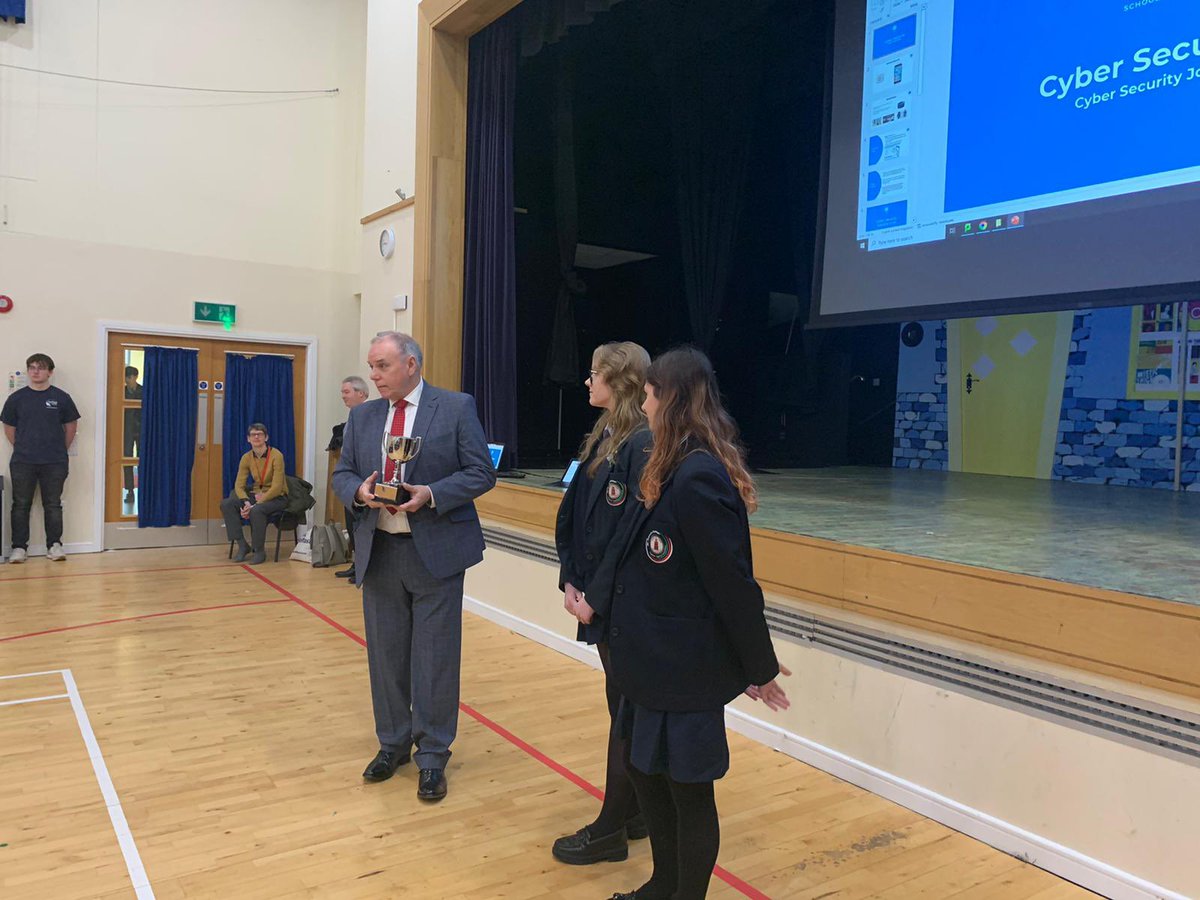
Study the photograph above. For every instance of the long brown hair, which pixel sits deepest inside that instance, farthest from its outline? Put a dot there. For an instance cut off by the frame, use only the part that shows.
(690, 416)
(623, 365)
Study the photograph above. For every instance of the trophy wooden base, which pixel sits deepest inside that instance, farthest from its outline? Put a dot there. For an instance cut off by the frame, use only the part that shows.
(390, 493)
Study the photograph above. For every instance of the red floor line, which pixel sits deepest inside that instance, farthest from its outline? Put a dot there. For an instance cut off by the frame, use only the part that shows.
(577, 780)
(724, 875)
(312, 609)
(224, 565)
(170, 612)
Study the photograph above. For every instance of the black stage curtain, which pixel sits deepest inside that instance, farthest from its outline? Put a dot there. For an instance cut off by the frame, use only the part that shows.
(490, 293)
(711, 145)
(562, 356)
(546, 22)
(490, 287)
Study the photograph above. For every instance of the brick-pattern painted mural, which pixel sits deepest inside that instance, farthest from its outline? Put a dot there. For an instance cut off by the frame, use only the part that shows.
(1112, 440)
(920, 440)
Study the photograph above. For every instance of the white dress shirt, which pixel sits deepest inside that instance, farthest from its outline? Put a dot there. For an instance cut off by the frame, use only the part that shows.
(397, 522)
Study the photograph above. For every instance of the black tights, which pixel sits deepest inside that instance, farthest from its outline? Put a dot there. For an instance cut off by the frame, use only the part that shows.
(620, 802)
(685, 835)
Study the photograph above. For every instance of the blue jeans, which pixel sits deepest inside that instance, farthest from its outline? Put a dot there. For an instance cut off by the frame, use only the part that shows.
(26, 479)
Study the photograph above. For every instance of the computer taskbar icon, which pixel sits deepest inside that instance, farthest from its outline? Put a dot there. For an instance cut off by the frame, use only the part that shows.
(984, 225)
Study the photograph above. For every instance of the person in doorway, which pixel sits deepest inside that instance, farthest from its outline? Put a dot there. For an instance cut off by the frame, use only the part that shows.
(687, 631)
(354, 392)
(412, 555)
(133, 427)
(259, 492)
(589, 517)
(40, 422)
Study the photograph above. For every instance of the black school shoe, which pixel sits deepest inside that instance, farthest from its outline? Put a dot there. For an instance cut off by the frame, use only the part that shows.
(639, 894)
(583, 848)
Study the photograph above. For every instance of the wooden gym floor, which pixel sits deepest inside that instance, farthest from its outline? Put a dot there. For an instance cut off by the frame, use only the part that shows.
(200, 727)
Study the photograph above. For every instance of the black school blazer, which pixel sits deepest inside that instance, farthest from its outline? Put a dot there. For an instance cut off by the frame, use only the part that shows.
(613, 495)
(686, 629)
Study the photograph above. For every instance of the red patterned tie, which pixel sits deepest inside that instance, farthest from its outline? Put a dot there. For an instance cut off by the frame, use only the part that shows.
(389, 469)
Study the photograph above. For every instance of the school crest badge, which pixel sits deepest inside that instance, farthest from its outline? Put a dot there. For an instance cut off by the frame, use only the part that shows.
(658, 547)
(615, 493)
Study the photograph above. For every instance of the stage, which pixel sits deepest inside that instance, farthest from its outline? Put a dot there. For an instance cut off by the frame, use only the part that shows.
(1101, 578)
(1133, 540)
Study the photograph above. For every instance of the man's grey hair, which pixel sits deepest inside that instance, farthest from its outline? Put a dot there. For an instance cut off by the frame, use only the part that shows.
(405, 343)
(357, 383)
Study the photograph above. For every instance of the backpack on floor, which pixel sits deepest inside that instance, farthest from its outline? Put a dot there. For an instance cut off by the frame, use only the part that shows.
(328, 546)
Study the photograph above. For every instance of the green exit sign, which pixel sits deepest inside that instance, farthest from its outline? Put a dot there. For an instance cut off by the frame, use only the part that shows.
(217, 313)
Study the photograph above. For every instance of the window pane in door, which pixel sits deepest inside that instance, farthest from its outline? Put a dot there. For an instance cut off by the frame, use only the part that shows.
(129, 490)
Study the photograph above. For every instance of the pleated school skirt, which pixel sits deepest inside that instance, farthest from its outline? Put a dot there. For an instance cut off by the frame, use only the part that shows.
(689, 747)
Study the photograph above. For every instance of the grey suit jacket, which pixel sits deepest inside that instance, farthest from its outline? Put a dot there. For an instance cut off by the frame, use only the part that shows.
(453, 461)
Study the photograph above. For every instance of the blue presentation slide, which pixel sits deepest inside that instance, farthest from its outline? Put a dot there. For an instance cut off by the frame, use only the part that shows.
(894, 36)
(1053, 96)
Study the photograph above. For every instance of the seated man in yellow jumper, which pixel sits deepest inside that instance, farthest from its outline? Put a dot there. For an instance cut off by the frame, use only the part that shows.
(263, 466)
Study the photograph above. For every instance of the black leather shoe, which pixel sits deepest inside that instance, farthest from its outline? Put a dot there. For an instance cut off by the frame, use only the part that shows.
(635, 828)
(345, 573)
(384, 765)
(432, 785)
(583, 848)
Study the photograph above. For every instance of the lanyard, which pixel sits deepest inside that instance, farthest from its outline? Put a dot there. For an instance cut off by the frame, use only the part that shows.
(262, 475)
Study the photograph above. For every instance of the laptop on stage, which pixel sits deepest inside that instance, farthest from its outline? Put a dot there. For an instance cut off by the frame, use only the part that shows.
(564, 480)
(497, 453)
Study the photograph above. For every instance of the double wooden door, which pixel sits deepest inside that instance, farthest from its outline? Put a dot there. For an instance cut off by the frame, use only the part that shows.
(126, 351)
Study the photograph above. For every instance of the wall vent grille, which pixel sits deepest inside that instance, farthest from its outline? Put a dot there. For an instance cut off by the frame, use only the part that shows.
(1133, 721)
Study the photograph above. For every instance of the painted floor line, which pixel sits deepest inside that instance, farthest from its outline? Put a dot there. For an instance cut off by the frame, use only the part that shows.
(133, 860)
(157, 615)
(34, 699)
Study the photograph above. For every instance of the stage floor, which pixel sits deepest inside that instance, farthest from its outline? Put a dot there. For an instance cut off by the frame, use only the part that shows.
(1135, 540)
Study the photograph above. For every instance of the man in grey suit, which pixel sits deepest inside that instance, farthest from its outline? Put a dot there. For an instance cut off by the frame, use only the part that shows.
(411, 557)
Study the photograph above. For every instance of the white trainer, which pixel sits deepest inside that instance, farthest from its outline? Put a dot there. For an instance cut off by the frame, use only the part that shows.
(56, 553)
(17, 555)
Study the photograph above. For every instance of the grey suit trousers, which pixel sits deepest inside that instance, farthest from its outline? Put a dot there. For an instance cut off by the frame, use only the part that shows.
(414, 650)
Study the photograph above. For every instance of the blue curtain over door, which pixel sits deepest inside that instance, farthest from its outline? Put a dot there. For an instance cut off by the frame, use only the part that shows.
(13, 9)
(257, 389)
(167, 445)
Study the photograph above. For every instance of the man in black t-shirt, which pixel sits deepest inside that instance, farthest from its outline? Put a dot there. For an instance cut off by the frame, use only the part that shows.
(40, 423)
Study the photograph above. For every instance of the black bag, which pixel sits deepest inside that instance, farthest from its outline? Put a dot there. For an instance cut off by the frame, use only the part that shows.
(299, 499)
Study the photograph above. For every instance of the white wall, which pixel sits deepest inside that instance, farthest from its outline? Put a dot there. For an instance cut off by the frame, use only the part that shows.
(262, 178)
(389, 142)
(383, 280)
(128, 203)
(389, 154)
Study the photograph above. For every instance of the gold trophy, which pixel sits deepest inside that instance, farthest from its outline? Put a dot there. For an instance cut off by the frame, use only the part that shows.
(399, 449)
